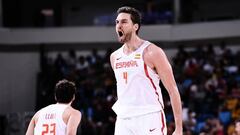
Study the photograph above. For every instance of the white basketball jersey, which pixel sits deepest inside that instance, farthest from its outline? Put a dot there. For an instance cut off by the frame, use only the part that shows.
(138, 87)
(50, 121)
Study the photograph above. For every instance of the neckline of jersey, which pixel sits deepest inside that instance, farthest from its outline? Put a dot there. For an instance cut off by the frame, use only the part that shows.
(144, 42)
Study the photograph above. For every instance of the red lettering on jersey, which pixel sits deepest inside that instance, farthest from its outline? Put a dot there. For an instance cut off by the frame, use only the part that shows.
(50, 116)
(127, 64)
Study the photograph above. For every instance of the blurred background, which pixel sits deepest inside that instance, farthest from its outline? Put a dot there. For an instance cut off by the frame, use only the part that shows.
(43, 41)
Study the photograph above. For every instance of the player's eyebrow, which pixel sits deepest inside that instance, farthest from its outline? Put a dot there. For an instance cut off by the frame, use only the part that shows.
(122, 20)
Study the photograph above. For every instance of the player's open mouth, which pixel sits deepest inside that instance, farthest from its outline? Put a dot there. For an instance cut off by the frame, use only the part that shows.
(120, 33)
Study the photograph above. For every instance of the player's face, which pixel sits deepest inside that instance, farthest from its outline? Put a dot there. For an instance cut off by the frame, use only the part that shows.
(237, 128)
(124, 27)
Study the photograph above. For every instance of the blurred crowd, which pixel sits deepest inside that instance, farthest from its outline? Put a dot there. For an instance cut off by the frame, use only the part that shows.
(208, 79)
(209, 82)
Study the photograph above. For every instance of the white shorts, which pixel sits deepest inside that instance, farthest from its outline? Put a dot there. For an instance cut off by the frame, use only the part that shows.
(148, 124)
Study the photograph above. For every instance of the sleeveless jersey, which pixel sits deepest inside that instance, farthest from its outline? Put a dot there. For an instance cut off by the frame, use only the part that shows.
(50, 121)
(138, 89)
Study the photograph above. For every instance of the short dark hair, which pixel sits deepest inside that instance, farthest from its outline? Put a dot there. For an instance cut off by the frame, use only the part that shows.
(135, 15)
(65, 91)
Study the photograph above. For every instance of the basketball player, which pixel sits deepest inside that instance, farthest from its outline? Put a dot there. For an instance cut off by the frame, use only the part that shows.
(59, 118)
(138, 66)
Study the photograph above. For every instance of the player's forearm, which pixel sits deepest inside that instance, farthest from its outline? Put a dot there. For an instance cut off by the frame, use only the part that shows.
(177, 108)
(175, 101)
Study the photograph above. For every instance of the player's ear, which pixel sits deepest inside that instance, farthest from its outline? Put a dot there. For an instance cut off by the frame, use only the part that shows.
(73, 98)
(136, 26)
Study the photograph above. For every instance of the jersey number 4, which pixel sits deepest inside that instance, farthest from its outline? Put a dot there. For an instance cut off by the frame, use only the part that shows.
(49, 129)
(125, 76)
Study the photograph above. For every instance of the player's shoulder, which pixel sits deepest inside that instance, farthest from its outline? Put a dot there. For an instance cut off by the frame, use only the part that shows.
(74, 111)
(76, 114)
(116, 53)
(113, 54)
(38, 113)
(154, 49)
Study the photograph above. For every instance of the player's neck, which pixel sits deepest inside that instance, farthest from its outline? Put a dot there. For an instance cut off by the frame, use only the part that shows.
(133, 44)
